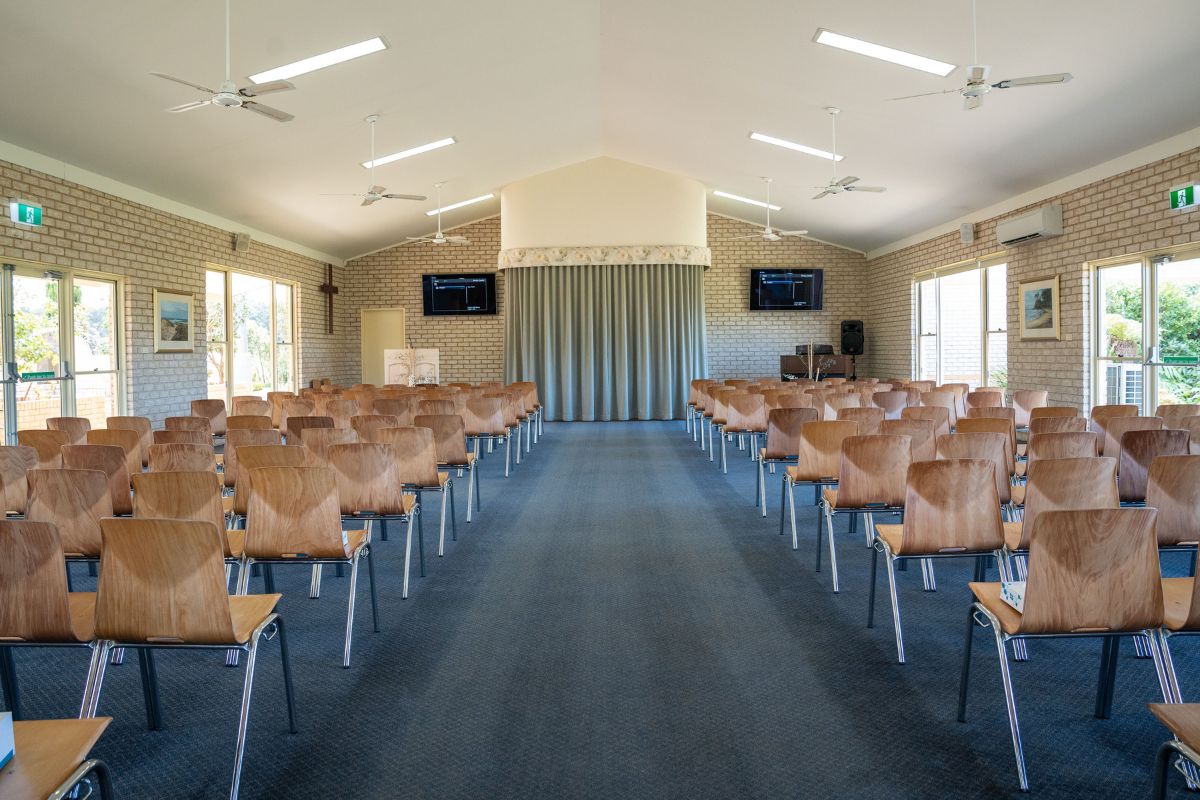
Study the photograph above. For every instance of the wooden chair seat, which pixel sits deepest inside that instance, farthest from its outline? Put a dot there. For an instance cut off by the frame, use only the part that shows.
(892, 535)
(236, 539)
(1182, 719)
(1012, 534)
(1017, 492)
(48, 751)
(83, 614)
(1177, 602)
(988, 595)
(227, 503)
(248, 612)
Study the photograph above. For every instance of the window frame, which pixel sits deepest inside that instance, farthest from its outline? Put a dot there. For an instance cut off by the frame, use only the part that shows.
(982, 266)
(230, 335)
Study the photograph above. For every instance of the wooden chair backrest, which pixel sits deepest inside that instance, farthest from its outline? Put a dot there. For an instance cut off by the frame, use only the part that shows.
(746, 412)
(183, 437)
(163, 580)
(833, 403)
(296, 426)
(33, 584)
(449, 437)
(938, 415)
(514, 409)
(341, 410)
(75, 428)
(1192, 426)
(47, 443)
(1173, 487)
(868, 419)
(994, 412)
(130, 441)
(368, 478)
(182, 494)
(295, 407)
(783, 431)
(919, 431)
(252, 457)
(1067, 483)
(73, 501)
(14, 487)
(1025, 400)
(242, 437)
(430, 408)
(942, 399)
(484, 416)
(820, 453)
(110, 460)
(736, 382)
(993, 425)
(1052, 411)
(1115, 429)
(892, 402)
(318, 441)
(786, 398)
(402, 408)
(950, 506)
(1064, 444)
(417, 453)
(277, 399)
(1040, 425)
(991, 447)
(294, 512)
(1174, 414)
(189, 423)
(214, 411)
(873, 471)
(250, 407)
(983, 399)
(181, 458)
(141, 426)
(258, 422)
(1093, 570)
(368, 425)
(363, 399)
(1138, 450)
(719, 396)
(959, 390)
(921, 386)
(1109, 411)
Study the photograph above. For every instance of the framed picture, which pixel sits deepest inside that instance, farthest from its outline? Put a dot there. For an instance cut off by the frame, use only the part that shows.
(173, 322)
(1039, 309)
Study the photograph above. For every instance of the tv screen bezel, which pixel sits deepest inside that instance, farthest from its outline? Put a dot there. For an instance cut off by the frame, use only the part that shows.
(427, 291)
(819, 285)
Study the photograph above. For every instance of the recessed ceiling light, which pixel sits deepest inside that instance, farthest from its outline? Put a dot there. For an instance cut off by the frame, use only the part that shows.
(741, 199)
(812, 151)
(412, 151)
(460, 204)
(900, 57)
(315, 63)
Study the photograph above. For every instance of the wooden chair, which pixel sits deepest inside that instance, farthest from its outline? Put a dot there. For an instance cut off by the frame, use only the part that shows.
(250, 406)
(450, 445)
(277, 399)
(367, 426)
(993, 412)
(994, 425)
(1138, 451)
(833, 403)
(399, 407)
(1067, 444)
(51, 760)
(920, 431)
(244, 437)
(296, 426)
(73, 501)
(15, 462)
(1052, 411)
(187, 494)
(939, 416)
(951, 510)
(419, 472)
(363, 400)
(1092, 573)
(294, 407)
(921, 386)
(294, 518)
(430, 408)
(1173, 487)
(1064, 424)
(251, 457)
(340, 411)
(130, 441)
(871, 478)
(110, 460)
(318, 441)
(141, 426)
(183, 437)
(1100, 414)
(868, 419)
(1183, 721)
(75, 428)
(514, 418)
(212, 410)
(786, 398)
(162, 586)
(694, 388)
(484, 420)
(991, 447)
(1115, 428)
(892, 403)
(1174, 415)
(189, 423)
(959, 390)
(1060, 484)
(943, 399)
(746, 415)
(260, 422)
(781, 446)
(47, 443)
(1024, 401)
(982, 398)
(181, 458)
(718, 415)
(817, 462)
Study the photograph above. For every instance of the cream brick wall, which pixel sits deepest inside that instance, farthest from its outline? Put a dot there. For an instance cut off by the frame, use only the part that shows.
(1127, 213)
(88, 229)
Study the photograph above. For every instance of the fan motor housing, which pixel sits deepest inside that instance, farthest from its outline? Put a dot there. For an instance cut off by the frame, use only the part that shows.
(227, 99)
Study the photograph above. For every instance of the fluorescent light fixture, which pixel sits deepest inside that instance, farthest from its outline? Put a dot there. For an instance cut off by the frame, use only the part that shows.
(900, 57)
(412, 151)
(322, 61)
(741, 199)
(800, 148)
(453, 206)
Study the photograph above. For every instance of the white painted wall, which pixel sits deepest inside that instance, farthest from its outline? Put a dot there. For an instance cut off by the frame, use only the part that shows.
(603, 201)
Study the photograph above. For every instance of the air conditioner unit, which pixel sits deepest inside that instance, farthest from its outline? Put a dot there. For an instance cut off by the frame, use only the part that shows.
(1042, 223)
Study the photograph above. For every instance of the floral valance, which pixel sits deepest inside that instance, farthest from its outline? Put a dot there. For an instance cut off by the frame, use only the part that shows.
(609, 254)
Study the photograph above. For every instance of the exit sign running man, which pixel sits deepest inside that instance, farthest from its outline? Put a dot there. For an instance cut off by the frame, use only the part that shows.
(1185, 197)
(25, 213)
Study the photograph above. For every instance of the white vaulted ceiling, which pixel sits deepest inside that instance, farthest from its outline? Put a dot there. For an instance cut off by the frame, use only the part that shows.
(531, 85)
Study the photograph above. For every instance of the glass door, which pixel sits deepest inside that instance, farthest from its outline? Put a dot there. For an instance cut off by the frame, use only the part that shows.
(35, 330)
(1174, 362)
(1120, 356)
(94, 356)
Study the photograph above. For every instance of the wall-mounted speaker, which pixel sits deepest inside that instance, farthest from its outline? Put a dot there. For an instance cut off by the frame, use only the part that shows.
(966, 232)
(852, 337)
(241, 242)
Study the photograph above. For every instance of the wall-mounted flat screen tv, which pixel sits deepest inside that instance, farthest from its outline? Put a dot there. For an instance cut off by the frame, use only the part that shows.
(786, 289)
(463, 293)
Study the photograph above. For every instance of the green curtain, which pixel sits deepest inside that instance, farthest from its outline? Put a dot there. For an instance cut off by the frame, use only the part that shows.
(607, 341)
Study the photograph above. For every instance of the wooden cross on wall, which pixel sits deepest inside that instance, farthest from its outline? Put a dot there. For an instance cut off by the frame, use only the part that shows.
(329, 290)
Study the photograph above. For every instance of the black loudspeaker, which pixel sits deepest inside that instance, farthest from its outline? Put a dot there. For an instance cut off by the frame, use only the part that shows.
(852, 337)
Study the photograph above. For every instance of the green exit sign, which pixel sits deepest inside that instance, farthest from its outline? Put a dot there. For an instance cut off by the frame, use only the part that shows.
(1189, 360)
(25, 213)
(1184, 197)
(36, 376)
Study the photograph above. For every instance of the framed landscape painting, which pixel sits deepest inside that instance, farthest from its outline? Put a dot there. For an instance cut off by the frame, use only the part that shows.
(1039, 309)
(173, 323)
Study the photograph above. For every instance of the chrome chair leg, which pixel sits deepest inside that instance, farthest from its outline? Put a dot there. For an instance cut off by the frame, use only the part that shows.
(470, 489)
(244, 716)
(891, 570)
(408, 552)
(869, 527)
(782, 501)
(724, 465)
(791, 493)
(442, 526)
(832, 546)
(314, 584)
(453, 512)
(95, 678)
(507, 439)
(761, 489)
(1011, 704)
(350, 609)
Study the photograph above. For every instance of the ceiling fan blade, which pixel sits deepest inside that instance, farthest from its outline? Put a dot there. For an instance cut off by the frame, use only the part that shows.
(822, 194)
(164, 76)
(373, 198)
(923, 94)
(1033, 80)
(738, 238)
(846, 181)
(406, 197)
(418, 238)
(793, 233)
(189, 106)
(376, 190)
(266, 88)
(978, 73)
(342, 194)
(970, 102)
(866, 188)
(267, 111)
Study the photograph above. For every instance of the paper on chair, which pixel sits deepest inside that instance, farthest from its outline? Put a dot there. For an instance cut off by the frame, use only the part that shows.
(1013, 593)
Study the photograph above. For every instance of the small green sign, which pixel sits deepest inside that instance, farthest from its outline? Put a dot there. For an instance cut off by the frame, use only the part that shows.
(1185, 197)
(1192, 360)
(36, 376)
(25, 213)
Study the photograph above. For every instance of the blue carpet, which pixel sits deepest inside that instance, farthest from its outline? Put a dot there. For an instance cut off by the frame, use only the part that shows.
(620, 623)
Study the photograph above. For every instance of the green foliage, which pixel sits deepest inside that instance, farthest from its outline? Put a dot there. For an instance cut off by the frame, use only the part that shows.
(1178, 328)
(999, 377)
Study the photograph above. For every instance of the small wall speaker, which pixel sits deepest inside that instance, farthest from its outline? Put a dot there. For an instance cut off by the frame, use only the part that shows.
(966, 232)
(241, 242)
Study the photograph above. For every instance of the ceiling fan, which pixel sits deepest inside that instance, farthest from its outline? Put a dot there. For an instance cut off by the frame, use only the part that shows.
(228, 95)
(768, 233)
(439, 237)
(848, 183)
(374, 192)
(977, 77)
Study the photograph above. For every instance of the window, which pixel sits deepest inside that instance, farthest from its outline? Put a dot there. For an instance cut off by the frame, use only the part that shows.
(962, 324)
(251, 332)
